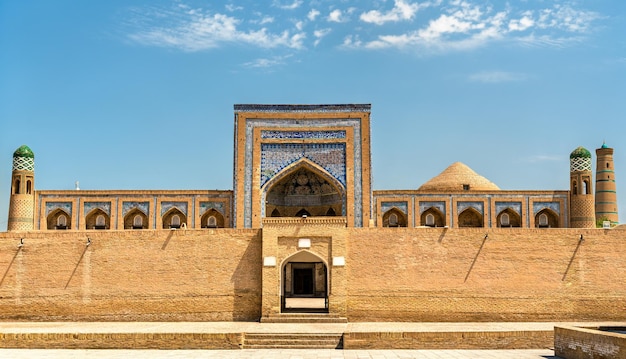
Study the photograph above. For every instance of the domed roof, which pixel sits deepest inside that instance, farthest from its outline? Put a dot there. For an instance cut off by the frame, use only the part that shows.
(456, 178)
(604, 145)
(24, 151)
(580, 152)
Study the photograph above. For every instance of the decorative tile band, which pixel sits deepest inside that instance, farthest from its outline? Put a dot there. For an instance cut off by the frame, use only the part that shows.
(166, 206)
(142, 206)
(317, 135)
(104, 206)
(64, 206)
(23, 164)
(539, 206)
(580, 164)
(515, 206)
(402, 206)
(439, 205)
(478, 206)
(206, 206)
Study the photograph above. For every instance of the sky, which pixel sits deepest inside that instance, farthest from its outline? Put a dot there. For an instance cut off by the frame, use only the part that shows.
(139, 94)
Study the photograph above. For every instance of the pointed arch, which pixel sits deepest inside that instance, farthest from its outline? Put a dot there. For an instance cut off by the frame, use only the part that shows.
(212, 219)
(546, 218)
(97, 219)
(394, 217)
(59, 219)
(436, 219)
(136, 219)
(304, 280)
(174, 218)
(16, 185)
(508, 218)
(303, 185)
(470, 217)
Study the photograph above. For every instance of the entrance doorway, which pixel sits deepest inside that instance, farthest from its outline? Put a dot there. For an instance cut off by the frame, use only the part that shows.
(305, 287)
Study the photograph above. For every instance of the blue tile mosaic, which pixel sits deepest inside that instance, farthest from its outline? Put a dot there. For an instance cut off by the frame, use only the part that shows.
(104, 206)
(205, 206)
(539, 206)
(276, 156)
(129, 206)
(166, 206)
(478, 206)
(439, 205)
(402, 206)
(515, 206)
(64, 206)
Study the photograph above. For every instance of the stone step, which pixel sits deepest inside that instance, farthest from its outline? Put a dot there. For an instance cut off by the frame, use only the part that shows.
(293, 340)
(303, 318)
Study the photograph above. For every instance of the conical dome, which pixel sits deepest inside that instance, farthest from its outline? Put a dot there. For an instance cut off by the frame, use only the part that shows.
(458, 177)
(24, 151)
(580, 152)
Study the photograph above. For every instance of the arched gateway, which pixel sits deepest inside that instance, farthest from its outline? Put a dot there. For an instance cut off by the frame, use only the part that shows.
(304, 283)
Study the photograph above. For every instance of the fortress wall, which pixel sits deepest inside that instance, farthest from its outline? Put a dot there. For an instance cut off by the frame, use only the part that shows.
(147, 275)
(517, 275)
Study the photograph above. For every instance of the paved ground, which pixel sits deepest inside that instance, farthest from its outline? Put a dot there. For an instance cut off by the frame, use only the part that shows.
(281, 354)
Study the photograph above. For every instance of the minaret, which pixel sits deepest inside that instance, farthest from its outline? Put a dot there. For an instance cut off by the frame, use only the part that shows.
(22, 201)
(606, 195)
(582, 209)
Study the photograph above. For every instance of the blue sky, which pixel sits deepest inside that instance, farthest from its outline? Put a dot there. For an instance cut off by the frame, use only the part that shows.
(139, 94)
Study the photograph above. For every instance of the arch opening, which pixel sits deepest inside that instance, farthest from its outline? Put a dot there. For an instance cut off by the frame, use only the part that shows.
(135, 219)
(303, 189)
(173, 219)
(470, 217)
(546, 218)
(394, 218)
(59, 219)
(304, 283)
(212, 219)
(432, 217)
(508, 218)
(97, 219)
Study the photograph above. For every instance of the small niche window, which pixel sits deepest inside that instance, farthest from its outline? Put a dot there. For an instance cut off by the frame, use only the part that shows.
(137, 222)
(505, 220)
(29, 187)
(430, 220)
(393, 220)
(17, 186)
(575, 187)
(212, 222)
(100, 222)
(607, 165)
(175, 221)
(466, 187)
(585, 187)
(543, 220)
(61, 222)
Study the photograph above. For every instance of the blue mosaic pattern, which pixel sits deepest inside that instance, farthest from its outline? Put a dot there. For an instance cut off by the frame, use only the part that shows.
(332, 122)
(318, 135)
(205, 206)
(276, 156)
(478, 206)
(539, 206)
(402, 206)
(439, 205)
(515, 206)
(166, 206)
(65, 206)
(142, 206)
(104, 206)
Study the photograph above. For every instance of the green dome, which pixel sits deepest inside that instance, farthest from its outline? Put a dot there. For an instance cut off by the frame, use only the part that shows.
(24, 151)
(580, 152)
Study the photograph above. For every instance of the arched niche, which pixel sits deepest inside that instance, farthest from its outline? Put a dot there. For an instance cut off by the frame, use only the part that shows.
(174, 218)
(97, 219)
(394, 218)
(59, 219)
(508, 218)
(470, 218)
(432, 217)
(136, 219)
(305, 283)
(546, 218)
(303, 188)
(212, 219)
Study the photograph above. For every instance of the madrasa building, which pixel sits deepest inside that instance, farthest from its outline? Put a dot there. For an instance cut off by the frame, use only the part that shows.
(302, 194)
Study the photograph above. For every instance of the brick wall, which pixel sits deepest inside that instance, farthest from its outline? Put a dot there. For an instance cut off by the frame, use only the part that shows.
(588, 343)
(131, 275)
(517, 275)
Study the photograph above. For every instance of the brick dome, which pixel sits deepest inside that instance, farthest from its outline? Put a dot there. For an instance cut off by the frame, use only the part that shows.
(458, 177)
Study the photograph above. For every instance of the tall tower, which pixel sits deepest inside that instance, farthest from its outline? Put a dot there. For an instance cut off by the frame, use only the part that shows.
(606, 195)
(582, 206)
(22, 201)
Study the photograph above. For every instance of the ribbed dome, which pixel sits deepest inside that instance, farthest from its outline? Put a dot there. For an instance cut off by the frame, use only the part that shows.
(456, 177)
(24, 151)
(580, 152)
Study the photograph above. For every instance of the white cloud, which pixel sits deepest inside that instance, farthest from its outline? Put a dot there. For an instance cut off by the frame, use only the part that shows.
(497, 77)
(400, 11)
(313, 14)
(319, 34)
(336, 16)
(197, 29)
(290, 6)
(267, 63)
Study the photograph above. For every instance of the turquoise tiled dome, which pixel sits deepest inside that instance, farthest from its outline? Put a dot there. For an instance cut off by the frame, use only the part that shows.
(24, 151)
(580, 152)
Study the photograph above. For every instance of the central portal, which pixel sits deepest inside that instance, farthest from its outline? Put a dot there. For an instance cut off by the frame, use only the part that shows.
(305, 287)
